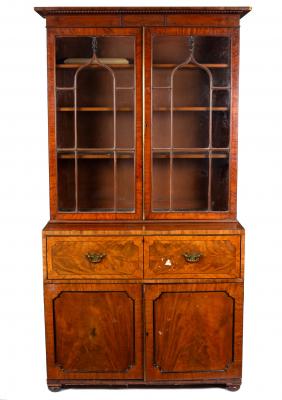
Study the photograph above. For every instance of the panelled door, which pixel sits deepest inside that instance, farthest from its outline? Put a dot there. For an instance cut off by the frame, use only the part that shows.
(94, 331)
(193, 331)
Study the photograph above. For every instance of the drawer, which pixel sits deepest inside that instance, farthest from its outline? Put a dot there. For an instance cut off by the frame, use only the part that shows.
(77, 257)
(192, 256)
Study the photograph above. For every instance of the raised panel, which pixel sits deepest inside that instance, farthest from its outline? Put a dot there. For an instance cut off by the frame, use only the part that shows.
(94, 331)
(193, 331)
(98, 340)
(68, 257)
(219, 256)
(195, 335)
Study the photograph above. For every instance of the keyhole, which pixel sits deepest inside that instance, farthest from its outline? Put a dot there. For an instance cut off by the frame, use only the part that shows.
(93, 332)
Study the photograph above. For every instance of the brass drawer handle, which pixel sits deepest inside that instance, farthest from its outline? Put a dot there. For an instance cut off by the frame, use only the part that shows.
(95, 257)
(192, 257)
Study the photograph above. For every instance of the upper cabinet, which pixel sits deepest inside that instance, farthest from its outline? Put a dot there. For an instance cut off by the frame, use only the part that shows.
(143, 113)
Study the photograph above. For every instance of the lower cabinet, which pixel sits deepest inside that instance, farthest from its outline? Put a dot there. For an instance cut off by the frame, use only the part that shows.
(188, 332)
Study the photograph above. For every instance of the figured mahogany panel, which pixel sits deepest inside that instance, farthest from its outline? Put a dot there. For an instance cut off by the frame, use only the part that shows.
(193, 331)
(87, 21)
(143, 20)
(75, 257)
(144, 227)
(203, 20)
(192, 257)
(94, 331)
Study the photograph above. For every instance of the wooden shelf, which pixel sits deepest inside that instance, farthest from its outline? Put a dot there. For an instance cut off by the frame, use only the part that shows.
(94, 156)
(95, 109)
(191, 109)
(189, 149)
(98, 150)
(131, 66)
(128, 109)
(114, 66)
(193, 155)
(190, 66)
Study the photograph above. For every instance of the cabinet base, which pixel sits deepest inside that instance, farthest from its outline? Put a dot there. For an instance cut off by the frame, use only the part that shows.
(56, 386)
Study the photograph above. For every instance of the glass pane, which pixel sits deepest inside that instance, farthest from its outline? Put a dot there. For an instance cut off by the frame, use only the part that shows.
(65, 130)
(220, 128)
(96, 183)
(161, 118)
(190, 123)
(219, 189)
(221, 119)
(189, 186)
(65, 120)
(160, 129)
(125, 181)
(95, 130)
(66, 182)
(95, 97)
(191, 88)
(190, 129)
(160, 180)
(125, 119)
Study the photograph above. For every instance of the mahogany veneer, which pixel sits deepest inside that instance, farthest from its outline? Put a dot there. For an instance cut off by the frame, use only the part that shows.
(143, 256)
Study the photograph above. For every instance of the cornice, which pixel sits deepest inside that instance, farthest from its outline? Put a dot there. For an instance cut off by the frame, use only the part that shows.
(51, 11)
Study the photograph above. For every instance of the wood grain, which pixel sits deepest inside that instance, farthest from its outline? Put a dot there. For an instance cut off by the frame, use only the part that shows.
(93, 331)
(164, 257)
(143, 228)
(67, 257)
(227, 383)
(193, 331)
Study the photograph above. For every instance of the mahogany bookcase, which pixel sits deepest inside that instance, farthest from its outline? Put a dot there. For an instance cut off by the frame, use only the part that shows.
(143, 255)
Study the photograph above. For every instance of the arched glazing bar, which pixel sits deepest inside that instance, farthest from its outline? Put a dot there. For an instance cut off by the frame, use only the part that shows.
(190, 60)
(93, 60)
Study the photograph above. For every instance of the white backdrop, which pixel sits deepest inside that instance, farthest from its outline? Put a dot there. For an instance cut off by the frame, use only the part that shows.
(24, 205)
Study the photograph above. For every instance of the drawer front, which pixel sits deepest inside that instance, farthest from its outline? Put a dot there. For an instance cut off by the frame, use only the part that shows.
(192, 257)
(79, 257)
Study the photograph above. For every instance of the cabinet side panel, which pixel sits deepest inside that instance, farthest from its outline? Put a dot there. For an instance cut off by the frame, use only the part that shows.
(234, 120)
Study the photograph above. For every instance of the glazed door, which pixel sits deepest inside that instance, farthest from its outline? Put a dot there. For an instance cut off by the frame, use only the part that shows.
(193, 331)
(95, 123)
(94, 331)
(191, 126)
